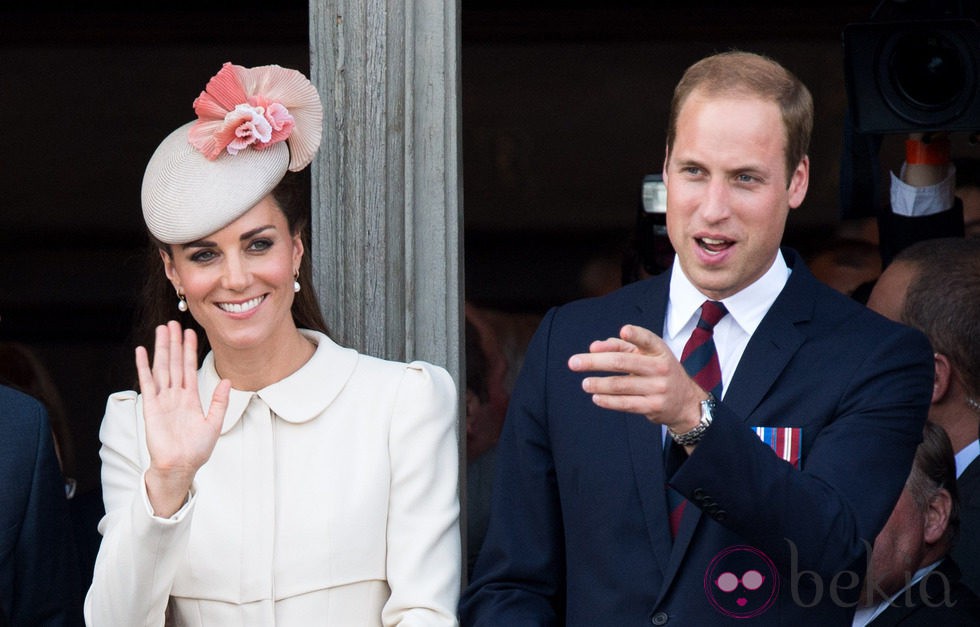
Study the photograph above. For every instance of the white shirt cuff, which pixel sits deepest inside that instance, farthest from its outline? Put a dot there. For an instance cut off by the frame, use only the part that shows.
(178, 515)
(911, 201)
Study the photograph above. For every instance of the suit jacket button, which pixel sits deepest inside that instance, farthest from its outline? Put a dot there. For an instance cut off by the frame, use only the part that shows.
(698, 494)
(660, 618)
(720, 515)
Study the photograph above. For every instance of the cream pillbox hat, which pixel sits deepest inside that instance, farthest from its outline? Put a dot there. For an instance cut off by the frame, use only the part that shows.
(253, 125)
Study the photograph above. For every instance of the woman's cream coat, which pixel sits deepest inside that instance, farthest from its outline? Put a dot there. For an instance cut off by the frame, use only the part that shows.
(330, 499)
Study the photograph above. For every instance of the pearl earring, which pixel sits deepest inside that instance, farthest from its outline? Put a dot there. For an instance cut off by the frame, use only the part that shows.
(181, 302)
(296, 285)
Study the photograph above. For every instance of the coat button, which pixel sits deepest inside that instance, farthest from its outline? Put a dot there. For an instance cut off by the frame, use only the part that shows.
(660, 618)
(720, 515)
(698, 494)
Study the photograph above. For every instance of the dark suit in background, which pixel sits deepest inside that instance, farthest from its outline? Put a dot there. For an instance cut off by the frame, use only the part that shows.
(39, 584)
(966, 551)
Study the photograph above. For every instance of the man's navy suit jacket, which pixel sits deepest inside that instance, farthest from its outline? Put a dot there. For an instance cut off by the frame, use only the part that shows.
(39, 583)
(579, 532)
(967, 547)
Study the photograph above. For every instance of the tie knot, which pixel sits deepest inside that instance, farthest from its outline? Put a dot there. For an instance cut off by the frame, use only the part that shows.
(711, 312)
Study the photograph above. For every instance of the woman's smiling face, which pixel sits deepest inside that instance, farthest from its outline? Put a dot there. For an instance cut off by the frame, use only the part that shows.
(238, 281)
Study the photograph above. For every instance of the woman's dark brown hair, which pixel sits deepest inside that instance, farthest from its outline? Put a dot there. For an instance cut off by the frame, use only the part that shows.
(158, 302)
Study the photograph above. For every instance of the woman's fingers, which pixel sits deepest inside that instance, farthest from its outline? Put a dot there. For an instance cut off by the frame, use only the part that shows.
(219, 403)
(143, 372)
(190, 360)
(176, 354)
(174, 360)
(161, 353)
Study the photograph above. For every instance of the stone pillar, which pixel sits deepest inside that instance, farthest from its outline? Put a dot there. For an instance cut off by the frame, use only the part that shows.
(386, 224)
(387, 183)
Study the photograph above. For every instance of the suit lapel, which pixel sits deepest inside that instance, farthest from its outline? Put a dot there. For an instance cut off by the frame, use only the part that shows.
(774, 342)
(646, 451)
(685, 533)
(648, 471)
(645, 443)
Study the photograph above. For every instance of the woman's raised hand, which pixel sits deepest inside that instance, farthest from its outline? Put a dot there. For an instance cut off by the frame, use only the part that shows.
(179, 435)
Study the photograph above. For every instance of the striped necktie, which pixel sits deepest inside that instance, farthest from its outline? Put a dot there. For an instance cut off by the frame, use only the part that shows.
(700, 360)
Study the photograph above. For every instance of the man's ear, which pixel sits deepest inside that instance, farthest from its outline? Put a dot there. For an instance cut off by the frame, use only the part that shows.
(941, 379)
(799, 182)
(937, 516)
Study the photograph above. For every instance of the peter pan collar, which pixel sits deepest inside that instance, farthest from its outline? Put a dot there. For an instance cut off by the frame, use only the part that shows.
(300, 397)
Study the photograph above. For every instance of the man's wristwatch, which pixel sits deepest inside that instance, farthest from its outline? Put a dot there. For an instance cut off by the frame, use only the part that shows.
(697, 433)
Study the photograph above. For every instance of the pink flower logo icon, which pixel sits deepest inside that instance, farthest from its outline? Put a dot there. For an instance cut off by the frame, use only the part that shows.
(741, 582)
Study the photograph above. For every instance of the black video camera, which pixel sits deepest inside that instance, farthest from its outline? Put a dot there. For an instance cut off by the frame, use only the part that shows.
(653, 246)
(917, 69)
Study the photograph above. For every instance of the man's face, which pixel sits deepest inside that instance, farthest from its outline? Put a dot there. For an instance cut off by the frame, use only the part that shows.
(888, 295)
(727, 198)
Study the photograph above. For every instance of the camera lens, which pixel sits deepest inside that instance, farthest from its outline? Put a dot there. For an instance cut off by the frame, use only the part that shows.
(927, 70)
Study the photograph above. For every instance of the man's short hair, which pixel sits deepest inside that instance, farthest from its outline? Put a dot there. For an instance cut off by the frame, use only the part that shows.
(749, 74)
(943, 301)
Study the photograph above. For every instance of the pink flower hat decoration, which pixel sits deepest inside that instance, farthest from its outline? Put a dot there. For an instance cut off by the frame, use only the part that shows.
(253, 108)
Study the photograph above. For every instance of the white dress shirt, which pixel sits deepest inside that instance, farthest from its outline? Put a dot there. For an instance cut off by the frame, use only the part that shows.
(910, 201)
(966, 456)
(746, 309)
